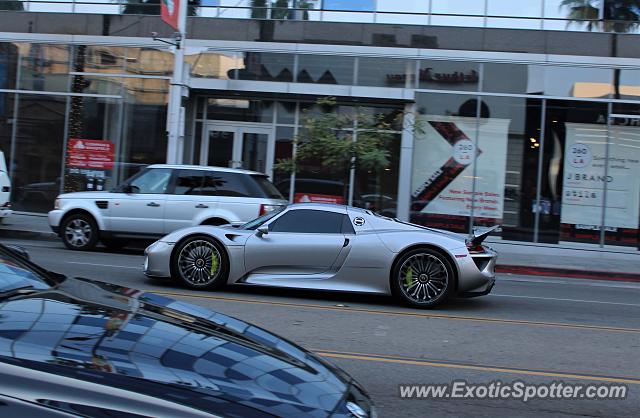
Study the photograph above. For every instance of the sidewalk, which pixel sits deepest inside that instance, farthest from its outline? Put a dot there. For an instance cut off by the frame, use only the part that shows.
(513, 257)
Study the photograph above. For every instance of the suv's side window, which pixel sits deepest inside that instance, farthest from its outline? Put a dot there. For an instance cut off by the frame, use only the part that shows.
(188, 182)
(309, 221)
(152, 181)
(220, 183)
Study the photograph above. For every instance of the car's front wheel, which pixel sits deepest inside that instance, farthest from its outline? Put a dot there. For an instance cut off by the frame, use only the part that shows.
(200, 262)
(79, 232)
(423, 278)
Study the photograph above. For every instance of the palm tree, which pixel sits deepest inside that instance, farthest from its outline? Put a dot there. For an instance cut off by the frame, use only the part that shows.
(620, 16)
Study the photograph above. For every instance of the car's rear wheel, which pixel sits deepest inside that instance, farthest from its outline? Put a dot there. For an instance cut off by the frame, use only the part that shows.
(200, 262)
(423, 278)
(79, 232)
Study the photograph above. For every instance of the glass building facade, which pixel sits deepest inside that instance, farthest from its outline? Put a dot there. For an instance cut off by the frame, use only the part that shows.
(529, 132)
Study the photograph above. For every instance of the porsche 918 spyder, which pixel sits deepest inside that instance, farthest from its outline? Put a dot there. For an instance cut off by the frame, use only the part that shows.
(328, 247)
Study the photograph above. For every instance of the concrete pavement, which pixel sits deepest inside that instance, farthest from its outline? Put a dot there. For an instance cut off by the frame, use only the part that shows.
(581, 261)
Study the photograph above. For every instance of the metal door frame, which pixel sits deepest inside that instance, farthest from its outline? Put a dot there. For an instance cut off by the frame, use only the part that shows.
(238, 129)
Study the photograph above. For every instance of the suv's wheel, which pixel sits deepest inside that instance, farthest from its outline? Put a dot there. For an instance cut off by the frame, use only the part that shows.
(422, 278)
(79, 232)
(200, 262)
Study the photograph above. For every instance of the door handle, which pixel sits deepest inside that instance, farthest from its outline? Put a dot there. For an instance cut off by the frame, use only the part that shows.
(153, 204)
(346, 242)
(201, 206)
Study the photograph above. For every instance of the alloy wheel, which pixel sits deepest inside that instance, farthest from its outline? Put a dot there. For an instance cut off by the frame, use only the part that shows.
(423, 278)
(78, 232)
(199, 262)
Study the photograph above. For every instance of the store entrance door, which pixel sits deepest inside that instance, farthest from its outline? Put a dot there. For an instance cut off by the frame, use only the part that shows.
(246, 146)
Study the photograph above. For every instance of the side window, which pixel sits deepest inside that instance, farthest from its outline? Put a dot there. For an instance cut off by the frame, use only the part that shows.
(347, 227)
(188, 182)
(308, 221)
(222, 183)
(152, 181)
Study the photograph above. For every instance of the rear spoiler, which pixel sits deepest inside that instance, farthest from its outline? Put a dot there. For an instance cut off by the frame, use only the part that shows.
(479, 235)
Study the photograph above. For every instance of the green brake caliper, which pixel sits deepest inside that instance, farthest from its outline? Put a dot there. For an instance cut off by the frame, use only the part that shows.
(214, 264)
(408, 278)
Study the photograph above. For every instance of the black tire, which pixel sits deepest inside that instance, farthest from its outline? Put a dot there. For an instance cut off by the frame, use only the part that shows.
(114, 243)
(79, 232)
(192, 263)
(435, 279)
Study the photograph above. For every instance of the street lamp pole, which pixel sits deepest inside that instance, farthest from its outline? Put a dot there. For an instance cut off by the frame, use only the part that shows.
(175, 112)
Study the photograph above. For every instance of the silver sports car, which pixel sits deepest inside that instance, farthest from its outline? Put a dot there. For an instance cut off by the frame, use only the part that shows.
(328, 247)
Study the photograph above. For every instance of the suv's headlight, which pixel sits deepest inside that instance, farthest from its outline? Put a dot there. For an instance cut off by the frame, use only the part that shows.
(56, 205)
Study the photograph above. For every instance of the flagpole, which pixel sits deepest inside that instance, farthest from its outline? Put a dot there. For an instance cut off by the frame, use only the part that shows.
(175, 116)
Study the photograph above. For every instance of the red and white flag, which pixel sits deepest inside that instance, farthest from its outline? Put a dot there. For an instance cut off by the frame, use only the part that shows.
(170, 9)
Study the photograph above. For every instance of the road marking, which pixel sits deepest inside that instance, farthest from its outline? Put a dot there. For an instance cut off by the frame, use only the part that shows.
(564, 299)
(106, 265)
(419, 362)
(405, 313)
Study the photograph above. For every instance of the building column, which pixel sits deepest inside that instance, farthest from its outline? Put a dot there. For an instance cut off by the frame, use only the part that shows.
(406, 163)
(175, 111)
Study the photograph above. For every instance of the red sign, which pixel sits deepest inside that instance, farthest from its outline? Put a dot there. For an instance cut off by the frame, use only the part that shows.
(317, 198)
(170, 9)
(90, 153)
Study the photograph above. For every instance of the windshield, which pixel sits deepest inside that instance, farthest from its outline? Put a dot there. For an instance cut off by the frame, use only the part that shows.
(16, 275)
(256, 223)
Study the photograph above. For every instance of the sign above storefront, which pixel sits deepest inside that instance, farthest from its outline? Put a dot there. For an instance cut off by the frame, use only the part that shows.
(428, 75)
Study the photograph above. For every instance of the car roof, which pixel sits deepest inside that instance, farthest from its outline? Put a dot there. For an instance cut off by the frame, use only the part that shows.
(207, 168)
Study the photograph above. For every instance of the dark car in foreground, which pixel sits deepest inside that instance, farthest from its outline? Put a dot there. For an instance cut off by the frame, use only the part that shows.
(77, 347)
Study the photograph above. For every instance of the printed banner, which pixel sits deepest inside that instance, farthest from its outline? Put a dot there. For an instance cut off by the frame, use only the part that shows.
(443, 167)
(585, 176)
(169, 10)
(90, 153)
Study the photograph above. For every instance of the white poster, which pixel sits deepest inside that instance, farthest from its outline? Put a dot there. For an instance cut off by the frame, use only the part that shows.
(443, 166)
(584, 176)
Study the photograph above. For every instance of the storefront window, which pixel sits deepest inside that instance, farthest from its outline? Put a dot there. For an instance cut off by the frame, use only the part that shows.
(320, 69)
(212, 64)
(283, 151)
(386, 72)
(264, 66)
(443, 155)
(44, 67)
(38, 150)
(104, 59)
(577, 82)
(378, 191)
(240, 110)
(149, 61)
(622, 209)
(574, 152)
(507, 167)
(506, 78)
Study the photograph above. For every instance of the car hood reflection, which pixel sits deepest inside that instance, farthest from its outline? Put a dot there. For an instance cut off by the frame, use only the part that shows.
(123, 332)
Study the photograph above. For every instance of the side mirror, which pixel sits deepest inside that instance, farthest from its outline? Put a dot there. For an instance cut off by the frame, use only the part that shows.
(129, 189)
(263, 230)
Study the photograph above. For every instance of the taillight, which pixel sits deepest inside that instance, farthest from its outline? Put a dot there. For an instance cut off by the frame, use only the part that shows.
(264, 209)
(474, 248)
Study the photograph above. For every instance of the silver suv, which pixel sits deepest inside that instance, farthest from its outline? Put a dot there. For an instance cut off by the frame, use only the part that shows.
(160, 199)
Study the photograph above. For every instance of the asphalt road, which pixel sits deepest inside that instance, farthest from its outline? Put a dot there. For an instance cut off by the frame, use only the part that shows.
(536, 330)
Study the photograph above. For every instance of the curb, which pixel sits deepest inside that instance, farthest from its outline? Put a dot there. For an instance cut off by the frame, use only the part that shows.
(569, 273)
(23, 234)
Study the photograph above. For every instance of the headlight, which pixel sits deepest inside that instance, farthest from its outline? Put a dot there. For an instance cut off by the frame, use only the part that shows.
(56, 205)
